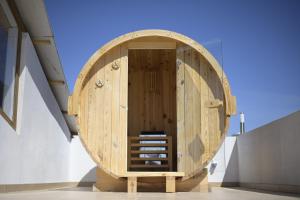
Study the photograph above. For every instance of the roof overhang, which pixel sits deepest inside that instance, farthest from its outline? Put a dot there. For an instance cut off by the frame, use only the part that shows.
(34, 17)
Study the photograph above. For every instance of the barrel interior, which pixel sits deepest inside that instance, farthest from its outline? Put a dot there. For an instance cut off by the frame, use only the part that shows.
(152, 109)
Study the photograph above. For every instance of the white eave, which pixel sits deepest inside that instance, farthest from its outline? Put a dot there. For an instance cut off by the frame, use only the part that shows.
(34, 16)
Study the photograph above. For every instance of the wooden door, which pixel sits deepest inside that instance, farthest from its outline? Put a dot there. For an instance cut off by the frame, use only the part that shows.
(199, 125)
(103, 110)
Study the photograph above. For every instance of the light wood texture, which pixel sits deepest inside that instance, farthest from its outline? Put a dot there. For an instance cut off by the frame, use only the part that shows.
(103, 114)
(152, 45)
(107, 183)
(138, 163)
(121, 92)
(170, 184)
(144, 34)
(132, 184)
(201, 117)
(154, 174)
(151, 94)
(199, 183)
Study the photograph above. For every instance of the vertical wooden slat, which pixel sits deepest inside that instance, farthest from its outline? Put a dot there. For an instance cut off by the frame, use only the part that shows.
(196, 144)
(170, 184)
(132, 184)
(180, 109)
(123, 108)
(188, 110)
(107, 112)
(115, 114)
(204, 109)
(170, 153)
(99, 132)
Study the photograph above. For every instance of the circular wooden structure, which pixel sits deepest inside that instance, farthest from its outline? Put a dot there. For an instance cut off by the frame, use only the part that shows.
(152, 80)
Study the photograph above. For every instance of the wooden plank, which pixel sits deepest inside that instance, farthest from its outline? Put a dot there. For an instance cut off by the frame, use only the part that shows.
(180, 109)
(149, 166)
(107, 113)
(145, 159)
(91, 115)
(116, 150)
(150, 145)
(149, 138)
(152, 45)
(170, 154)
(196, 147)
(170, 184)
(188, 111)
(212, 113)
(154, 174)
(204, 109)
(148, 152)
(99, 119)
(132, 184)
(123, 109)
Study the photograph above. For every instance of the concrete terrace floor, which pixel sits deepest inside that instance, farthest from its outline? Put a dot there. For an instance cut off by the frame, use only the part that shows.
(86, 193)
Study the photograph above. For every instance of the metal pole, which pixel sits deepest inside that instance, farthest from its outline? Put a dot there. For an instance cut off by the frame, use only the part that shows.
(242, 123)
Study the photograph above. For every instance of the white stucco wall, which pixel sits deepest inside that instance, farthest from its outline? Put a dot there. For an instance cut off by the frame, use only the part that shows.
(38, 151)
(82, 167)
(224, 165)
(270, 155)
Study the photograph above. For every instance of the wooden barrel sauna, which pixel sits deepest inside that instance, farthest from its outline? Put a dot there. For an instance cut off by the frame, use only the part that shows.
(157, 82)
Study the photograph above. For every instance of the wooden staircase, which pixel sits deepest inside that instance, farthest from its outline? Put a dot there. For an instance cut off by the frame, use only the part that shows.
(150, 153)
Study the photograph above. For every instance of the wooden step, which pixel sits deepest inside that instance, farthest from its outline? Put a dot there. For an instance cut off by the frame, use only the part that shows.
(147, 159)
(156, 138)
(148, 152)
(150, 145)
(148, 166)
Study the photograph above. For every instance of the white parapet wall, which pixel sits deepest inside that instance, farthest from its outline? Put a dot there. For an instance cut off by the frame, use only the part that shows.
(269, 156)
(223, 168)
(82, 167)
(38, 150)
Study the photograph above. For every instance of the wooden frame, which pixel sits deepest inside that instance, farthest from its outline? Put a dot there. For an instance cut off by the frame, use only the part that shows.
(203, 94)
(13, 9)
(74, 99)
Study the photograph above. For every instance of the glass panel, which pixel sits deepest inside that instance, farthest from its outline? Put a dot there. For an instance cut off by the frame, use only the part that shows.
(216, 49)
(8, 53)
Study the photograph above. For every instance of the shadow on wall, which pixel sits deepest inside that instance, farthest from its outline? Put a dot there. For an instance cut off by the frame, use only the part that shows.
(88, 179)
(224, 167)
(231, 175)
(30, 61)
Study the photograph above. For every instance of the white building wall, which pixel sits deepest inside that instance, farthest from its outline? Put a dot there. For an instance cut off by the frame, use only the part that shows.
(269, 156)
(223, 168)
(82, 167)
(38, 150)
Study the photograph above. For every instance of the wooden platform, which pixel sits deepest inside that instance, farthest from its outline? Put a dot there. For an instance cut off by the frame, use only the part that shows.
(150, 181)
(154, 174)
(170, 179)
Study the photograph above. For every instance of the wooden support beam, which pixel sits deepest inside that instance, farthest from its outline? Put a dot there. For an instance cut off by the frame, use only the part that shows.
(132, 184)
(57, 82)
(41, 41)
(170, 184)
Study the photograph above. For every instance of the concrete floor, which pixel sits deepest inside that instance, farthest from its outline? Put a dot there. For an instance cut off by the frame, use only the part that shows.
(86, 193)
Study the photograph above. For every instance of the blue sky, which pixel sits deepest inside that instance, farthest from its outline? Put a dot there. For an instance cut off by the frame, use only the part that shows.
(258, 43)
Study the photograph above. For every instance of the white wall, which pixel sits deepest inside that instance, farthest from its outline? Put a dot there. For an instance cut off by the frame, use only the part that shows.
(224, 166)
(38, 150)
(270, 155)
(82, 167)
